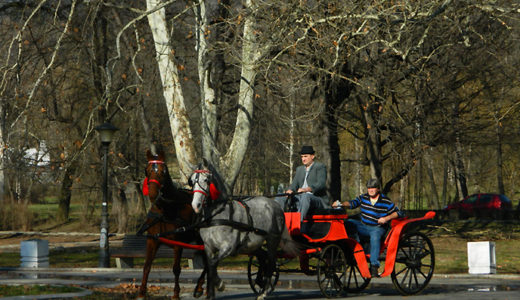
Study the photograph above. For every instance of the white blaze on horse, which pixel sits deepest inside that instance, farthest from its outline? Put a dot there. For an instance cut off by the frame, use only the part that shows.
(238, 227)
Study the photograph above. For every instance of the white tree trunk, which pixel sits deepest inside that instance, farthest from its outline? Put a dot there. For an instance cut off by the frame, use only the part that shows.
(207, 92)
(232, 161)
(292, 126)
(173, 96)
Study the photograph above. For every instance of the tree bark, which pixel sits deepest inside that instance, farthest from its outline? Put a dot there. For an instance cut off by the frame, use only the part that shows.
(459, 164)
(431, 177)
(172, 92)
(445, 174)
(66, 192)
(499, 162)
(373, 142)
(232, 160)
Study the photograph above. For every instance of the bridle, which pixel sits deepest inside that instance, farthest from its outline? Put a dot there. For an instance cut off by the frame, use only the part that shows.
(210, 191)
(155, 168)
(203, 191)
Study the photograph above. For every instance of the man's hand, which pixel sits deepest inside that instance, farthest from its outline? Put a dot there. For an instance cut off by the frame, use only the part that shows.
(289, 192)
(386, 219)
(338, 203)
(305, 190)
(382, 220)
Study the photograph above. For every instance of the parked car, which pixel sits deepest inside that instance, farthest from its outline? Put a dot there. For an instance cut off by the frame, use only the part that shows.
(481, 205)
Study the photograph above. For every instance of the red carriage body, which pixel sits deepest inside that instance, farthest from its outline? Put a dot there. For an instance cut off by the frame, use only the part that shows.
(342, 263)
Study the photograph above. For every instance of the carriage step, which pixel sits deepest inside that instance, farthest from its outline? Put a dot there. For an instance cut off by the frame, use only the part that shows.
(310, 251)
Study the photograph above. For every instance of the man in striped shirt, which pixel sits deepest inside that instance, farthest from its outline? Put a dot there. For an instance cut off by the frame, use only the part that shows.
(376, 211)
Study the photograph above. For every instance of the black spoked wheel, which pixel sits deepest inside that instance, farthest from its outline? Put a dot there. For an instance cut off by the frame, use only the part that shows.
(256, 276)
(355, 283)
(414, 263)
(332, 271)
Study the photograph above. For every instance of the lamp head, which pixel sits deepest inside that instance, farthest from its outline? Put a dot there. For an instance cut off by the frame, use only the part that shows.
(106, 131)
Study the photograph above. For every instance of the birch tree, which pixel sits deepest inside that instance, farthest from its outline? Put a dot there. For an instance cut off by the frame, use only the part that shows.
(229, 162)
(172, 90)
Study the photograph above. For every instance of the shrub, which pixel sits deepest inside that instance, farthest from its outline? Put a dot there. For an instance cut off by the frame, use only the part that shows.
(15, 216)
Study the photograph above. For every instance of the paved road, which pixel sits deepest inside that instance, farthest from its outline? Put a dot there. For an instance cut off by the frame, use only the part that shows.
(292, 286)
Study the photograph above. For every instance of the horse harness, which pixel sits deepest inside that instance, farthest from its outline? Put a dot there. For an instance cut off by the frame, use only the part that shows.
(159, 217)
(209, 221)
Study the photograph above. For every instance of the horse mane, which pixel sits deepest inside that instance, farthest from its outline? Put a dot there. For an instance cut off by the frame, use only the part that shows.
(218, 181)
(173, 194)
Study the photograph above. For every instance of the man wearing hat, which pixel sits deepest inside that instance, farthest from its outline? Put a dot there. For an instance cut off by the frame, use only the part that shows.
(310, 181)
(377, 210)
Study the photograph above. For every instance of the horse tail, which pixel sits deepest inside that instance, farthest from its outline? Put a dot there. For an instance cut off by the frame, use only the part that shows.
(288, 245)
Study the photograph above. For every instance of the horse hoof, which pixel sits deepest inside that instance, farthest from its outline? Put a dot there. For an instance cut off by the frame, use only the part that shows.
(221, 286)
(260, 297)
(197, 294)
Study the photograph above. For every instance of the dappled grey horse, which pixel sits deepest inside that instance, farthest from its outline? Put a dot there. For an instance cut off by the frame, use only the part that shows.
(238, 227)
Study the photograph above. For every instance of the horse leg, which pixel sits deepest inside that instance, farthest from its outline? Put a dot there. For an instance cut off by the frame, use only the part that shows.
(221, 286)
(213, 278)
(198, 288)
(261, 256)
(177, 271)
(212, 270)
(151, 249)
(270, 267)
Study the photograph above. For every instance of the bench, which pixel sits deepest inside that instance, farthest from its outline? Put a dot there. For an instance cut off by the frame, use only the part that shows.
(134, 246)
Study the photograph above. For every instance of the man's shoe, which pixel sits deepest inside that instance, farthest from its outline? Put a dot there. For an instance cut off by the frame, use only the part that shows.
(374, 271)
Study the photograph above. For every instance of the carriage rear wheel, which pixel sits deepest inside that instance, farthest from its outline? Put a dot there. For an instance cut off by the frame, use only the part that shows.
(332, 271)
(355, 283)
(256, 276)
(414, 263)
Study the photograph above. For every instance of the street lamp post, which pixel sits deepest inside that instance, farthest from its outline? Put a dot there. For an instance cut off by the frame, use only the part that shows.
(106, 131)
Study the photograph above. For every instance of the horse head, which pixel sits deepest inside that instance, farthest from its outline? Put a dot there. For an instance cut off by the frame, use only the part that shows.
(206, 186)
(156, 173)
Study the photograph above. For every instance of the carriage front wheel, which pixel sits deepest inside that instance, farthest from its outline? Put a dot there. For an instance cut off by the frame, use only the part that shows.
(256, 276)
(414, 263)
(332, 271)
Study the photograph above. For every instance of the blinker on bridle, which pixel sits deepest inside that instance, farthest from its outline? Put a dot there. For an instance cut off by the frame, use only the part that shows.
(155, 168)
(212, 193)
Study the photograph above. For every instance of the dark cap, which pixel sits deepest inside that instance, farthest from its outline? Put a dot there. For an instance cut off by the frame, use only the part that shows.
(373, 183)
(307, 150)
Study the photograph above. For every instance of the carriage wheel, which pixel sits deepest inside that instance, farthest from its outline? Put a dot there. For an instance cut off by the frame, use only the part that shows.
(414, 263)
(256, 278)
(332, 271)
(355, 282)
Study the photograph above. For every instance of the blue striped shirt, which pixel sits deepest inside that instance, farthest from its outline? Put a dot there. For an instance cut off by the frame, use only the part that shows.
(371, 213)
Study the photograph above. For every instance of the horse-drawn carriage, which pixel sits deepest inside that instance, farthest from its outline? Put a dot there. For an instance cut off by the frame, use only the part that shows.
(258, 226)
(340, 262)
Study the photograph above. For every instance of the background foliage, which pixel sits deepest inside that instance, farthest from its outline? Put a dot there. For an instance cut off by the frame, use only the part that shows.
(423, 94)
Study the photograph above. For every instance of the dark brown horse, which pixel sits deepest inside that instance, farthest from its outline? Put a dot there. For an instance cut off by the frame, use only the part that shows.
(171, 209)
